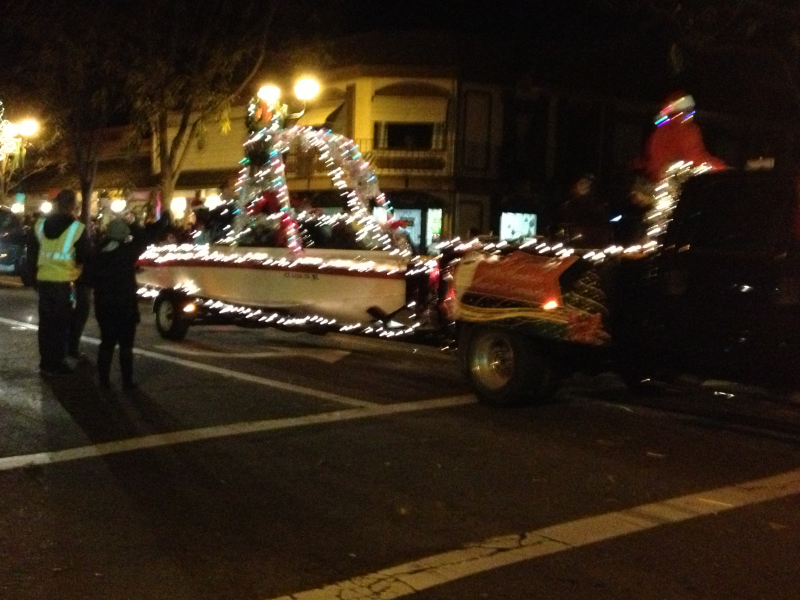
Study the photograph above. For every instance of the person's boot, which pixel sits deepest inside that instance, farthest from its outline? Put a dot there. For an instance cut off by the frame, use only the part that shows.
(126, 366)
(104, 357)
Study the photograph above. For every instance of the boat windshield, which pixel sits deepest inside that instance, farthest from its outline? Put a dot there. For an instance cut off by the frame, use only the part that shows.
(331, 232)
(264, 230)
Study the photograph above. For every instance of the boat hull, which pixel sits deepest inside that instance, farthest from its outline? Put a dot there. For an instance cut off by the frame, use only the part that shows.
(332, 284)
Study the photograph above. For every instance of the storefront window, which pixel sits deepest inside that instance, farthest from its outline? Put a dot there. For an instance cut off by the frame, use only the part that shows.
(517, 226)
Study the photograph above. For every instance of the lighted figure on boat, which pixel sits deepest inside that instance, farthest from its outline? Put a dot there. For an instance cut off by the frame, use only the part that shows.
(675, 151)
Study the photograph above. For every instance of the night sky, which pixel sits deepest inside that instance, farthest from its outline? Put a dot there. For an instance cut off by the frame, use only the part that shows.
(569, 43)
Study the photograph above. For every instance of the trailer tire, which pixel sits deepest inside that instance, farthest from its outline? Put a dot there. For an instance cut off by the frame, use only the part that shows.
(168, 309)
(505, 368)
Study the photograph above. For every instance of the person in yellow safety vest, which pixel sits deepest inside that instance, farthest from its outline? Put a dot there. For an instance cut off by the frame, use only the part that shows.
(60, 247)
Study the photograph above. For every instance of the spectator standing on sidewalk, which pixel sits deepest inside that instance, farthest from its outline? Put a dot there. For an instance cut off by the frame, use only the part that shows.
(60, 248)
(112, 274)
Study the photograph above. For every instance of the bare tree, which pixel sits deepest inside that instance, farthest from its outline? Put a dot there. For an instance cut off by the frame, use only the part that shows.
(187, 67)
(66, 65)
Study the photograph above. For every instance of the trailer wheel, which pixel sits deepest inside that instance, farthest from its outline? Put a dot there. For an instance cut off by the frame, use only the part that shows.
(168, 309)
(505, 368)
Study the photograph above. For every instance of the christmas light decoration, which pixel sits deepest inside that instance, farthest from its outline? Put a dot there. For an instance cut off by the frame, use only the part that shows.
(263, 205)
(665, 196)
(200, 307)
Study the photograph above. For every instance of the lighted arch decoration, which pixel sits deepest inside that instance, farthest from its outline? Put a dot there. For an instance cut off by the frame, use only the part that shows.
(351, 174)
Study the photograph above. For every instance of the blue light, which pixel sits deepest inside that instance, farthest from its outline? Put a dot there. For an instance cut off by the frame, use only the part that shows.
(616, 219)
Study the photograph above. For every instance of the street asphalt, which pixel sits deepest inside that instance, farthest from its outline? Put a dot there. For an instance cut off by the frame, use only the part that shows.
(257, 465)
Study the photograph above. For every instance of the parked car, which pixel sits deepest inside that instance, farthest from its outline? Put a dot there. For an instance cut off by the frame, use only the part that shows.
(14, 238)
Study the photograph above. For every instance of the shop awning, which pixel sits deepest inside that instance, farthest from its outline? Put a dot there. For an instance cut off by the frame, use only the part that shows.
(315, 116)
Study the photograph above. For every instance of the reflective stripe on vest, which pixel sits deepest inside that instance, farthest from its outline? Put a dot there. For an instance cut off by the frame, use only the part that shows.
(57, 257)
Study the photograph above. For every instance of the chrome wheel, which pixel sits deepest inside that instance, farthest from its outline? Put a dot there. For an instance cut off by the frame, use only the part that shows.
(505, 367)
(492, 363)
(166, 315)
(169, 323)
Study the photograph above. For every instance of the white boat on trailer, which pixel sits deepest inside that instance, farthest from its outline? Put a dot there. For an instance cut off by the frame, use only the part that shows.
(269, 266)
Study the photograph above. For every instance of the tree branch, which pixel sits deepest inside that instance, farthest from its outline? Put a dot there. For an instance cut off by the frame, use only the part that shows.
(261, 55)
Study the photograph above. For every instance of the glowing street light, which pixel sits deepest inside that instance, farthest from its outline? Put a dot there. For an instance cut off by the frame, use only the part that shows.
(272, 110)
(46, 207)
(213, 202)
(178, 207)
(27, 128)
(306, 89)
(269, 94)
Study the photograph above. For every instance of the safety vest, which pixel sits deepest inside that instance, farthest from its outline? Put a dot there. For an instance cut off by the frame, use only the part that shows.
(57, 257)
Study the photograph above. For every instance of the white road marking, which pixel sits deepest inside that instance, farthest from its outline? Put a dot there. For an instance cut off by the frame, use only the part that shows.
(220, 431)
(360, 409)
(273, 383)
(324, 354)
(440, 569)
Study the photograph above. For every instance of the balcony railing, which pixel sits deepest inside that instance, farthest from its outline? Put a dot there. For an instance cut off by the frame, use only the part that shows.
(385, 161)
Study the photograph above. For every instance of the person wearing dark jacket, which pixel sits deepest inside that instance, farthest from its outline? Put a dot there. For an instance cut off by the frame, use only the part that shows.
(59, 249)
(112, 273)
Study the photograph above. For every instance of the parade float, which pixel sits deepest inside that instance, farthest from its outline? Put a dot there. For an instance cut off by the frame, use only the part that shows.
(275, 265)
(522, 316)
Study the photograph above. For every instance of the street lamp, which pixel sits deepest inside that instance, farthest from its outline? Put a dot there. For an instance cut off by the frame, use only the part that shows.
(27, 128)
(269, 94)
(12, 149)
(266, 110)
(306, 89)
(23, 130)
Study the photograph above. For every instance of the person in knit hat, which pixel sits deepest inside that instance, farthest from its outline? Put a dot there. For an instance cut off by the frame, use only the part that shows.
(112, 274)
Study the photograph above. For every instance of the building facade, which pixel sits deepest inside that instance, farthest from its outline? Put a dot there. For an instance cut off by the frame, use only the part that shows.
(457, 141)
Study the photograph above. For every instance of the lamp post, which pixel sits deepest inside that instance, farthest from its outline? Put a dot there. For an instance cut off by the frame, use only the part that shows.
(12, 149)
(266, 109)
(26, 129)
